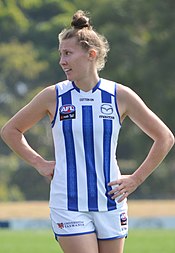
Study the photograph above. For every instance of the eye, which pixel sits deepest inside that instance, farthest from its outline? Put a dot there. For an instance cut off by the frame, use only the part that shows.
(64, 53)
(67, 52)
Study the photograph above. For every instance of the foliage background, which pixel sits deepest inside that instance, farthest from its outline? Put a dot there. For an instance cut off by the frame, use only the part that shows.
(141, 36)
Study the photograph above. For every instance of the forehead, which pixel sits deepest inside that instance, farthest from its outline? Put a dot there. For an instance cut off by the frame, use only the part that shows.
(68, 44)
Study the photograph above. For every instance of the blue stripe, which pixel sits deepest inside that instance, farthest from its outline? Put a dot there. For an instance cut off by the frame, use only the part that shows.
(107, 128)
(70, 157)
(96, 86)
(57, 104)
(107, 125)
(90, 158)
(116, 105)
(105, 96)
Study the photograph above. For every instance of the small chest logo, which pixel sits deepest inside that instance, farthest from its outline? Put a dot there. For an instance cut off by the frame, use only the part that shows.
(107, 109)
(67, 112)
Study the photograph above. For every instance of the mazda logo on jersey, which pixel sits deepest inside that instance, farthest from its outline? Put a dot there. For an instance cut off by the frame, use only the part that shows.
(67, 112)
(106, 109)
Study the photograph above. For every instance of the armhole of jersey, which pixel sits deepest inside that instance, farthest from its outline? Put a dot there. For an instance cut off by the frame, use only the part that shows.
(56, 110)
(115, 97)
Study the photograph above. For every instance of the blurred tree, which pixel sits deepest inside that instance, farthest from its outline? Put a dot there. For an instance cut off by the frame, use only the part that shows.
(19, 63)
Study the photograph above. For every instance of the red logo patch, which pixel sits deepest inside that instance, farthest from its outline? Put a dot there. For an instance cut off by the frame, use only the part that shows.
(60, 225)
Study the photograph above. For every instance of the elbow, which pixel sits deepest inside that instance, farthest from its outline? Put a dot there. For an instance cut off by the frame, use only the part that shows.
(169, 139)
(3, 132)
(165, 141)
(172, 140)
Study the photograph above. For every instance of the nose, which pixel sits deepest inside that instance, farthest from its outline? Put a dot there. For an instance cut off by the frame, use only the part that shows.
(62, 61)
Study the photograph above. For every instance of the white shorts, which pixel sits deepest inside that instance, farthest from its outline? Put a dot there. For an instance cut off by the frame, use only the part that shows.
(107, 225)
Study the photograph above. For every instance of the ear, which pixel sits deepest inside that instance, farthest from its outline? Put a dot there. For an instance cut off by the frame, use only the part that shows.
(92, 54)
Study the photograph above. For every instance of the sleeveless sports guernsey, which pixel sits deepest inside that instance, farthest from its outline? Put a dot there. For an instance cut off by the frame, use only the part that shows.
(85, 134)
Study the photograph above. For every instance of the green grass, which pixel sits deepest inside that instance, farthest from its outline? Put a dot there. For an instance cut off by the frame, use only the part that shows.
(150, 241)
(28, 242)
(139, 241)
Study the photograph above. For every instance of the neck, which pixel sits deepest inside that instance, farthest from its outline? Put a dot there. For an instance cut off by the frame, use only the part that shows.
(87, 84)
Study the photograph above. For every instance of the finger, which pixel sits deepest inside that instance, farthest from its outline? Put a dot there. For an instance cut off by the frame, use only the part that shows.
(116, 182)
(118, 189)
(119, 193)
(124, 195)
(113, 191)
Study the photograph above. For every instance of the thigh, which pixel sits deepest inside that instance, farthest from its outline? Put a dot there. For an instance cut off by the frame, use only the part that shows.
(112, 246)
(79, 244)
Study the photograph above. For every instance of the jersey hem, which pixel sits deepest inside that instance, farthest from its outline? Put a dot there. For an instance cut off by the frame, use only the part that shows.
(84, 210)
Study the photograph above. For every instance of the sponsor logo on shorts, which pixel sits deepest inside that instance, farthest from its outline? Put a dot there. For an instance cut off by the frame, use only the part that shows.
(71, 224)
(67, 112)
(123, 219)
(60, 225)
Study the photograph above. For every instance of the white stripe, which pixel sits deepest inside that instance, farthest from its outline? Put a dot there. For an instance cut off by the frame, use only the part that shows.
(98, 147)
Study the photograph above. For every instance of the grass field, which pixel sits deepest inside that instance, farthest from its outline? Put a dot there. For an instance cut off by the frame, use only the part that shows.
(139, 241)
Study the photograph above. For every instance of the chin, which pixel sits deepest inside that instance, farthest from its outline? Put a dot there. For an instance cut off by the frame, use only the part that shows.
(69, 78)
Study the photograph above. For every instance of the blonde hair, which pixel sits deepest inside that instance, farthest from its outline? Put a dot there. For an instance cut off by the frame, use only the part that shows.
(82, 29)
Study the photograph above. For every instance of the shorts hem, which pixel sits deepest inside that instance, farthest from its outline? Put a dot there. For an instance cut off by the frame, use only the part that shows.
(81, 233)
(113, 238)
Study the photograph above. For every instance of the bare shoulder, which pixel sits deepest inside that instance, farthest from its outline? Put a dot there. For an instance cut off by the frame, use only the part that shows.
(124, 92)
(127, 100)
(46, 99)
(47, 93)
(42, 104)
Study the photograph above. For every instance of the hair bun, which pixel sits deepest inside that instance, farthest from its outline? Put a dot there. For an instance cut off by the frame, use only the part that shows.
(80, 20)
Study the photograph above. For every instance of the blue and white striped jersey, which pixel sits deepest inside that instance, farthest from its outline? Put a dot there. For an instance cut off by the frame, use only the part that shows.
(85, 133)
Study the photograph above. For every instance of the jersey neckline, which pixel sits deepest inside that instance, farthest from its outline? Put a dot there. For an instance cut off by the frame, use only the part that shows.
(86, 92)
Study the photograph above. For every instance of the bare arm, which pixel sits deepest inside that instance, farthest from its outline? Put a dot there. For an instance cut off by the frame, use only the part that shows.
(132, 106)
(13, 132)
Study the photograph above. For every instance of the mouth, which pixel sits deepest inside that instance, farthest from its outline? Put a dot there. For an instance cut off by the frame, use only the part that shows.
(67, 71)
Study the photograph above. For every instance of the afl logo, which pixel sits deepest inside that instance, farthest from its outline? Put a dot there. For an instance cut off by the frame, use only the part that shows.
(106, 109)
(123, 219)
(67, 112)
